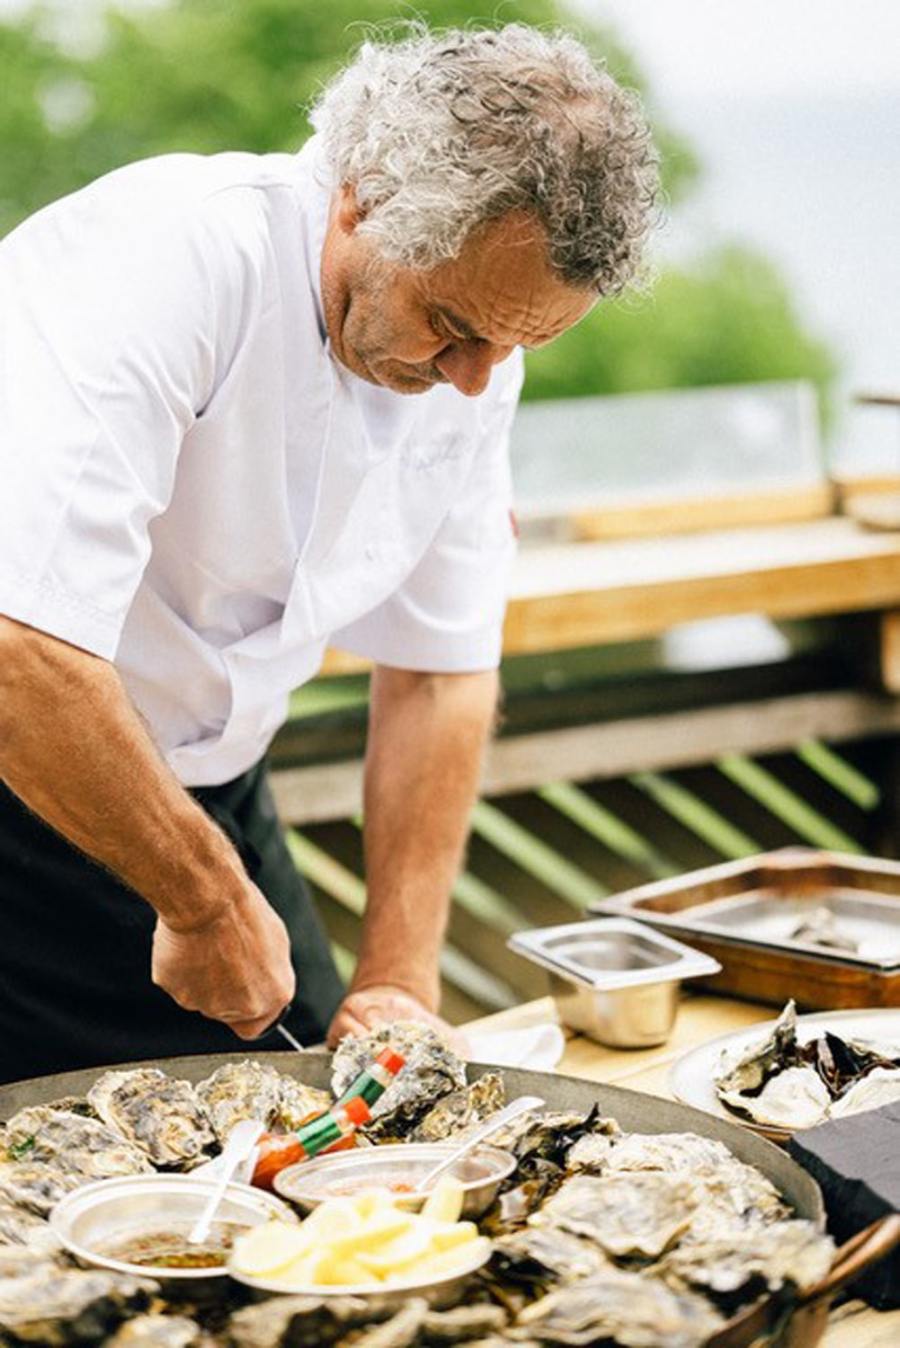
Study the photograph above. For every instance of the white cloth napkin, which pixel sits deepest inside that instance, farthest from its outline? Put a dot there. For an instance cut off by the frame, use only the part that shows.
(537, 1047)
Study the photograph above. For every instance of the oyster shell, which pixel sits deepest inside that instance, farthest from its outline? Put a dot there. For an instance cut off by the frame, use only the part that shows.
(159, 1114)
(431, 1071)
(57, 1306)
(640, 1213)
(628, 1309)
(73, 1143)
(301, 1321)
(462, 1324)
(880, 1087)
(794, 1098)
(752, 1066)
(34, 1185)
(730, 1186)
(545, 1254)
(18, 1226)
(742, 1261)
(21, 1261)
(297, 1102)
(238, 1091)
(820, 927)
(157, 1331)
(462, 1109)
(400, 1331)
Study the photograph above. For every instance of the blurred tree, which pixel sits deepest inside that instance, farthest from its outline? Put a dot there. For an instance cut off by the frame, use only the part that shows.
(91, 86)
(729, 319)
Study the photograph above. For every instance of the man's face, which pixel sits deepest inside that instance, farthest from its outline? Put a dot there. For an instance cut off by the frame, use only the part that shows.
(408, 330)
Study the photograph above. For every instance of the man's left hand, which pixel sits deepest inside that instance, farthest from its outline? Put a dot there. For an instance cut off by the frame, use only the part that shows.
(363, 1011)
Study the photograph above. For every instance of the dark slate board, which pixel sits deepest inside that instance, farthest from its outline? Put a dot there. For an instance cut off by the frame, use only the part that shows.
(856, 1161)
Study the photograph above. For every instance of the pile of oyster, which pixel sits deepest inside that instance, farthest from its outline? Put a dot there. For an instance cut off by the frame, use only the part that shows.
(782, 1083)
(600, 1236)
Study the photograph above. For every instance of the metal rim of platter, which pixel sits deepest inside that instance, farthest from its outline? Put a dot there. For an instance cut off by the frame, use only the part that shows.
(634, 1111)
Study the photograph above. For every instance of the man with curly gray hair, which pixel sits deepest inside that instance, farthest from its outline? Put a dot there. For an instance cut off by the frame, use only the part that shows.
(210, 477)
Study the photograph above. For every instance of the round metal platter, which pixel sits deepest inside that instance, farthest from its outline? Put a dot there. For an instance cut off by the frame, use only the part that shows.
(633, 1110)
(692, 1076)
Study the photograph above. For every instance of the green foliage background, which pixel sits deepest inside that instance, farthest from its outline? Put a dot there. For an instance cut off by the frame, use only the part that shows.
(208, 75)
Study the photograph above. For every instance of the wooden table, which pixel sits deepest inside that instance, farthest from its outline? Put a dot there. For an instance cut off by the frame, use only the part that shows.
(852, 1325)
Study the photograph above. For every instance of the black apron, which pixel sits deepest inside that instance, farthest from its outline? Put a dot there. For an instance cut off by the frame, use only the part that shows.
(75, 944)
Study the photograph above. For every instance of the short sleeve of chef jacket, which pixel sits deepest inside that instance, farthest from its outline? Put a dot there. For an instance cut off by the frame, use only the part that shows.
(116, 309)
(448, 615)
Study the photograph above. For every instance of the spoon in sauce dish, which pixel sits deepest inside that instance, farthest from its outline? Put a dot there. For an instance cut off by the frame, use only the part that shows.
(523, 1105)
(241, 1141)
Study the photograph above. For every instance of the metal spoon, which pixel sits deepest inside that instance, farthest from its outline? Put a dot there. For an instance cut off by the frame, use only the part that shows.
(241, 1141)
(484, 1131)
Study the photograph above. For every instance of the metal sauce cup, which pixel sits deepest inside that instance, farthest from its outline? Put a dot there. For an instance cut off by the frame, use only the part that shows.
(480, 1174)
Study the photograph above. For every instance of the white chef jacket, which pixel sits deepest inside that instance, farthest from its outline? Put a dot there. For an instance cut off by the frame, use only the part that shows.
(193, 487)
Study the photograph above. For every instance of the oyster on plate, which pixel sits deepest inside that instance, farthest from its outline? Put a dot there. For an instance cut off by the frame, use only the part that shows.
(431, 1070)
(628, 1309)
(637, 1214)
(400, 1331)
(58, 1306)
(301, 1321)
(462, 1109)
(73, 1143)
(738, 1260)
(462, 1324)
(158, 1331)
(879, 1087)
(159, 1114)
(752, 1067)
(794, 1098)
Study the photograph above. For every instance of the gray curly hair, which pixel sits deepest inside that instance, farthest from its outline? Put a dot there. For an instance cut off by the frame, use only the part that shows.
(439, 133)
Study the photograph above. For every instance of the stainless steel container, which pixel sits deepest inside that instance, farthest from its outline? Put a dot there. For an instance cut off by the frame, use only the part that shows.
(480, 1174)
(613, 979)
(101, 1216)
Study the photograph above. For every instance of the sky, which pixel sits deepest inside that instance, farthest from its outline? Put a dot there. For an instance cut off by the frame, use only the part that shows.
(744, 48)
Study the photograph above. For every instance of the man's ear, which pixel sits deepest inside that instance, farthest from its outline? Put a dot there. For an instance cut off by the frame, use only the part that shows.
(349, 212)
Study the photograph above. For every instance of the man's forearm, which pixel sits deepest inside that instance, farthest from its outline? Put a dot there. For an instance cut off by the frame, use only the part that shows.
(426, 742)
(74, 750)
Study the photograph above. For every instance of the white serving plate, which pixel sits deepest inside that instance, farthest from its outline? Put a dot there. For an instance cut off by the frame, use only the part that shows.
(691, 1077)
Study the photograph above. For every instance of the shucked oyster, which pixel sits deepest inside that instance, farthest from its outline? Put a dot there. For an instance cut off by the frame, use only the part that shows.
(72, 1143)
(879, 1087)
(541, 1255)
(159, 1114)
(431, 1071)
(462, 1109)
(754, 1065)
(626, 1214)
(57, 1306)
(628, 1309)
(794, 1098)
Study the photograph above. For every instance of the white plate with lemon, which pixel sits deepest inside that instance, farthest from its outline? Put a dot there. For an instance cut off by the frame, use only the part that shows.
(365, 1245)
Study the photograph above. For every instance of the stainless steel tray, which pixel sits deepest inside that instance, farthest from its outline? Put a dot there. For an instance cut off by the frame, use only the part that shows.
(766, 1322)
(743, 914)
(613, 979)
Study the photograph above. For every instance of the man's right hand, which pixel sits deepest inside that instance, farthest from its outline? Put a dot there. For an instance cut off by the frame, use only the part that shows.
(234, 967)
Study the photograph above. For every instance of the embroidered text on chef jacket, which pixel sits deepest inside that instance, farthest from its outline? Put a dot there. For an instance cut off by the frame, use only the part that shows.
(192, 487)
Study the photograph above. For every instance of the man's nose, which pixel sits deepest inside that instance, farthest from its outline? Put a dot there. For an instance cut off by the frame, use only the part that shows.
(468, 365)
